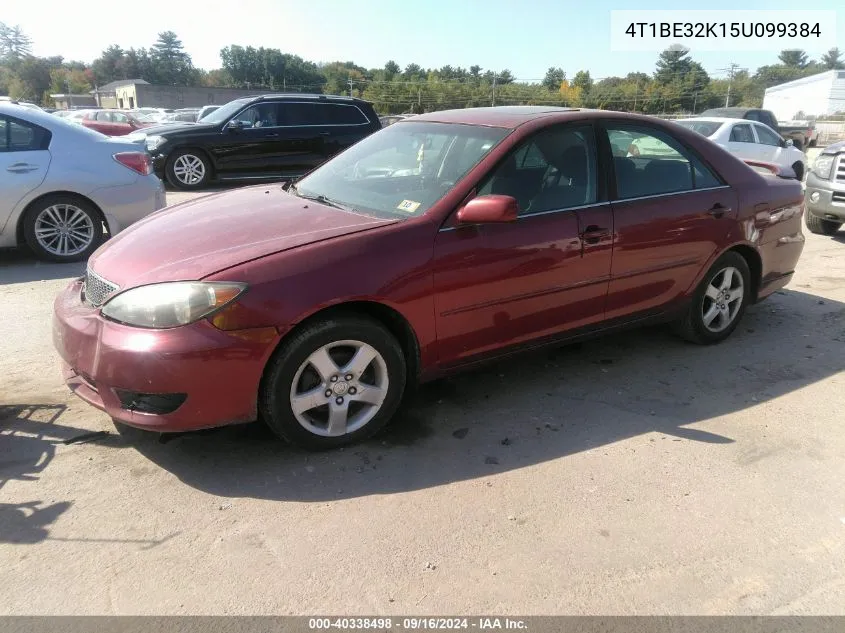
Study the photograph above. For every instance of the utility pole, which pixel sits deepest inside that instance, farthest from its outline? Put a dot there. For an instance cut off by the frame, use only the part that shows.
(636, 91)
(69, 95)
(493, 97)
(350, 87)
(731, 70)
(694, 101)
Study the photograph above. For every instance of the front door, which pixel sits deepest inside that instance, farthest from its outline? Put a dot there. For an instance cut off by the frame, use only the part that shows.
(24, 160)
(768, 144)
(670, 213)
(257, 147)
(508, 284)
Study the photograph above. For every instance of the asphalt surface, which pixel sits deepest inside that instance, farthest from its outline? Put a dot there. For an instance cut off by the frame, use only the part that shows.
(635, 474)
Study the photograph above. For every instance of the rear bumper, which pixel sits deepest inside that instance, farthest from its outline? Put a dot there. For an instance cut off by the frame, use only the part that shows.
(780, 258)
(217, 372)
(126, 204)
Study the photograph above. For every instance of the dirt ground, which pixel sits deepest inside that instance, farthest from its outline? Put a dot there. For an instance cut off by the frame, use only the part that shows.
(635, 474)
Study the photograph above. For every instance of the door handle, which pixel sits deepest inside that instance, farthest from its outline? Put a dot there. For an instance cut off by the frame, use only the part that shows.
(273, 135)
(21, 168)
(593, 234)
(718, 210)
(325, 133)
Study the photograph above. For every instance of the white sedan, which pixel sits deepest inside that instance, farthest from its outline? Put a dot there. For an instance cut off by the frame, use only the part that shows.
(63, 186)
(750, 140)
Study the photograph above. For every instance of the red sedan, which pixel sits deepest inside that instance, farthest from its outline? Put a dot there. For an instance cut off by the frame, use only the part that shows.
(112, 122)
(442, 241)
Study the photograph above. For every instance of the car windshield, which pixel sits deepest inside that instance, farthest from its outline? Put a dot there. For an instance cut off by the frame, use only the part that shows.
(402, 170)
(224, 112)
(705, 128)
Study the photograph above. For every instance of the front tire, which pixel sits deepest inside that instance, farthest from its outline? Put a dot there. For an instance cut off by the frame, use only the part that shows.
(336, 382)
(820, 227)
(798, 168)
(719, 301)
(188, 170)
(63, 228)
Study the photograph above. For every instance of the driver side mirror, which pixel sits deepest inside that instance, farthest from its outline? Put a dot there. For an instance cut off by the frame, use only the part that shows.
(492, 209)
(788, 143)
(234, 124)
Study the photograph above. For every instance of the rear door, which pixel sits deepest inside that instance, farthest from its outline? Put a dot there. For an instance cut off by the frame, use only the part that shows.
(742, 142)
(24, 160)
(343, 125)
(670, 214)
(306, 134)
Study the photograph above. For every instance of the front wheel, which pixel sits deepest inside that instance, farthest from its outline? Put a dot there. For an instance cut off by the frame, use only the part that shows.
(820, 227)
(62, 228)
(719, 301)
(798, 168)
(188, 170)
(334, 383)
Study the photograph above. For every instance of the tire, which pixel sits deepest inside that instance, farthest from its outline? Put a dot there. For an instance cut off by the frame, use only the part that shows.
(798, 168)
(327, 391)
(63, 228)
(693, 326)
(820, 227)
(188, 170)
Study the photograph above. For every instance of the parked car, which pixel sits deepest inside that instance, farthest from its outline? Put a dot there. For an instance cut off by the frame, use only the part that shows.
(390, 119)
(766, 117)
(803, 133)
(267, 137)
(111, 122)
(205, 110)
(63, 184)
(24, 104)
(825, 191)
(426, 248)
(750, 140)
(186, 115)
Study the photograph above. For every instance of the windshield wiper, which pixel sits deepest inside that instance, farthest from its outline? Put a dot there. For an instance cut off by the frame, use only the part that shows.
(321, 199)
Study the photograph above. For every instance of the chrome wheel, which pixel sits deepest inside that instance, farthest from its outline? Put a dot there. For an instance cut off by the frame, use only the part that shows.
(339, 388)
(189, 169)
(64, 230)
(722, 299)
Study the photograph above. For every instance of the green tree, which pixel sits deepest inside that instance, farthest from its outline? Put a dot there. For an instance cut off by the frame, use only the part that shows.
(171, 65)
(672, 64)
(553, 79)
(832, 60)
(794, 58)
(583, 81)
(391, 69)
(15, 45)
(32, 80)
(106, 66)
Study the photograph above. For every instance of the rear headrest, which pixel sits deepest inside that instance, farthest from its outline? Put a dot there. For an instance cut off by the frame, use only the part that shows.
(668, 175)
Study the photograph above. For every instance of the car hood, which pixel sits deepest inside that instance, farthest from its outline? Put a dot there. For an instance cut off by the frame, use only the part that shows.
(175, 129)
(834, 148)
(194, 239)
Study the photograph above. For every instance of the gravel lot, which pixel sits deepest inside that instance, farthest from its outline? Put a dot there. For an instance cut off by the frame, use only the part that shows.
(634, 474)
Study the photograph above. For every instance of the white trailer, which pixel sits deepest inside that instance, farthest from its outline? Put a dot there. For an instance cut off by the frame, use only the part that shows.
(813, 96)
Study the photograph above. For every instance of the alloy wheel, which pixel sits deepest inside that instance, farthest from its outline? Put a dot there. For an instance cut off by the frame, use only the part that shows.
(189, 169)
(722, 299)
(64, 230)
(339, 388)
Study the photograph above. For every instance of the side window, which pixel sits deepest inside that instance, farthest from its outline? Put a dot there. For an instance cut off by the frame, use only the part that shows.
(338, 114)
(741, 133)
(259, 115)
(17, 136)
(555, 169)
(118, 117)
(301, 114)
(103, 116)
(655, 163)
(767, 136)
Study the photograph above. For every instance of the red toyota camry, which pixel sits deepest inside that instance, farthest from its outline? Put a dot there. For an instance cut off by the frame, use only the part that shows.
(441, 241)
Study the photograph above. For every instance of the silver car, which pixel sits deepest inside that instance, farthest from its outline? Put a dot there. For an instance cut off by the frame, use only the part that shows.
(63, 187)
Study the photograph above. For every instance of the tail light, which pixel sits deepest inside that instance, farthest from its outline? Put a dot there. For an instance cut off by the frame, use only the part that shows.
(136, 161)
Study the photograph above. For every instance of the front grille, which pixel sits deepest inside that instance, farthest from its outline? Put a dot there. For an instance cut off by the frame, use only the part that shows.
(839, 168)
(95, 289)
(838, 197)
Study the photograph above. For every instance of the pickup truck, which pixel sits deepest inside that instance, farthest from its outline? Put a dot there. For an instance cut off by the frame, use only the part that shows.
(804, 131)
(799, 133)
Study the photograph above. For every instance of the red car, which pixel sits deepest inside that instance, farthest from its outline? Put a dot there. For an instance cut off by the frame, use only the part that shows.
(434, 244)
(112, 122)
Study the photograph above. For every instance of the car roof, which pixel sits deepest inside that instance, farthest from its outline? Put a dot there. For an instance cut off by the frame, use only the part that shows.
(300, 96)
(714, 119)
(730, 111)
(499, 116)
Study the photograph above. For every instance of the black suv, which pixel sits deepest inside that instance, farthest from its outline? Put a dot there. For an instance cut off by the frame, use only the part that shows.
(271, 137)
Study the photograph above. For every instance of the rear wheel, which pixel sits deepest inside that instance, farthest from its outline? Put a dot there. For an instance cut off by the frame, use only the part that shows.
(188, 169)
(334, 383)
(719, 301)
(63, 228)
(819, 226)
(798, 168)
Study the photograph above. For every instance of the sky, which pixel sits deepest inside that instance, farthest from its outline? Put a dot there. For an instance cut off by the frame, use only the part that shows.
(525, 36)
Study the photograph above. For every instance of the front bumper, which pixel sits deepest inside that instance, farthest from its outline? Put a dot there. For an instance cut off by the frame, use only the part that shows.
(217, 372)
(829, 202)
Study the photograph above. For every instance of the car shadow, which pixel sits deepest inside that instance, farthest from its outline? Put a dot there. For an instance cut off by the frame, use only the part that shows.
(29, 436)
(531, 409)
(19, 266)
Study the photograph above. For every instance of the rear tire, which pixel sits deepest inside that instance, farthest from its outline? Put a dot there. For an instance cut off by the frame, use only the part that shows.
(314, 393)
(63, 228)
(820, 227)
(188, 170)
(719, 301)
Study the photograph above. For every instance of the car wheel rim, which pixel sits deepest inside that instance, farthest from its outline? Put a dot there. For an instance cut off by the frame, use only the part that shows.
(189, 169)
(64, 230)
(339, 388)
(722, 299)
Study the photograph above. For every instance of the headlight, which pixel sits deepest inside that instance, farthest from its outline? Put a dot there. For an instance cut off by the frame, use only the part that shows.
(172, 304)
(823, 165)
(153, 142)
